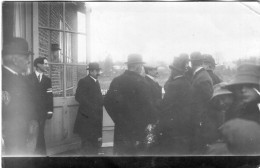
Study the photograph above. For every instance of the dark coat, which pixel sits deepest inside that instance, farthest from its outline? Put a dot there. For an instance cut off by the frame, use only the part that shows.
(42, 93)
(89, 119)
(129, 104)
(43, 99)
(201, 94)
(214, 77)
(155, 90)
(17, 110)
(175, 118)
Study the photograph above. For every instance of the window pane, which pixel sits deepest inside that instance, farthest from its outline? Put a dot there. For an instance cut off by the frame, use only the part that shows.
(56, 46)
(76, 48)
(44, 12)
(44, 44)
(74, 74)
(75, 17)
(56, 15)
(56, 74)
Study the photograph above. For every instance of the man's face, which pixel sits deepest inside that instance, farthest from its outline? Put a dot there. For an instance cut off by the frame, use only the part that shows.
(247, 93)
(153, 72)
(95, 73)
(43, 67)
(21, 62)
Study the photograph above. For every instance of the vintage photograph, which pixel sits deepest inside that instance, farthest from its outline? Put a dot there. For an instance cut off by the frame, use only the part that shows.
(98, 79)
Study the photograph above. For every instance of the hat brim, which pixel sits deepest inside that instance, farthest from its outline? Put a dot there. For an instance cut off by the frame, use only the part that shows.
(221, 93)
(140, 62)
(242, 81)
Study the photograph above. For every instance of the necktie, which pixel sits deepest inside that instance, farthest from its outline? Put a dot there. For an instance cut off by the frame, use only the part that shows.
(39, 78)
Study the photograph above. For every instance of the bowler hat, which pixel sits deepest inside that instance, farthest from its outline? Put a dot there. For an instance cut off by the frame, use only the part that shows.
(16, 46)
(246, 74)
(219, 89)
(93, 66)
(179, 63)
(55, 47)
(196, 56)
(150, 66)
(209, 59)
(134, 59)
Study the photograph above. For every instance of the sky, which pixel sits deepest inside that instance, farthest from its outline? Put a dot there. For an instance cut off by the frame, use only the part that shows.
(161, 30)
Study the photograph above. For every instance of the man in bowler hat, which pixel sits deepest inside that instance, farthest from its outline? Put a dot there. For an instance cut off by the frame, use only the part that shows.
(17, 103)
(129, 104)
(209, 65)
(42, 92)
(88, 124)
(202, 92)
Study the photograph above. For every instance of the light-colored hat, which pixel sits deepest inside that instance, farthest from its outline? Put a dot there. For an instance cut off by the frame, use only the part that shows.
(219, 89)
(134, 59)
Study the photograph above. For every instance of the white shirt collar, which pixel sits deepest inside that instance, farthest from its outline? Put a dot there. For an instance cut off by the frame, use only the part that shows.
(93, 78)
(199, 68)
(149, 76)
(39, 73)
(9, 69)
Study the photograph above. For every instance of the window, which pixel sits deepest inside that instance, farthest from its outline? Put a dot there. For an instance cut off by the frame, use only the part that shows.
(62, 39)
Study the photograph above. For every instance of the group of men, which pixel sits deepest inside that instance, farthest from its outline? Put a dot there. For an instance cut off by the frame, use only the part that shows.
(27, 100)
(136, 105)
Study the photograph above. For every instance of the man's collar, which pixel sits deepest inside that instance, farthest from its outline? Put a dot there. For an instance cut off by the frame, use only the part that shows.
(93, 78)
(197, 70)
(151, 77)
(9, 69)
(38, 73)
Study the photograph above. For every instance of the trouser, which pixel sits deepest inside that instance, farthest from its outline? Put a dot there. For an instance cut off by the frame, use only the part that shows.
(40, 145)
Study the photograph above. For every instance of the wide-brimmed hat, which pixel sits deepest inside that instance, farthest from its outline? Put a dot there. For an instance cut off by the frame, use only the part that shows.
(55, 47)
(135, 59)
(17, 46)
(179, 63)
(209, 59)
(196, 56)
(246, 74)
(220, 89)
(93, 66)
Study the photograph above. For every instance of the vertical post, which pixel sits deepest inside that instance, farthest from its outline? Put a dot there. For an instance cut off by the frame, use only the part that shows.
(35, 35)
(64, 52)
(88, 48)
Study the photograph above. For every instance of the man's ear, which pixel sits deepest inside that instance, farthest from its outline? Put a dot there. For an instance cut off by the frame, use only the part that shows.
(14, 59)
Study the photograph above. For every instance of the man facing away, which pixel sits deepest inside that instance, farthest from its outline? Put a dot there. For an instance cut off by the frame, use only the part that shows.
(129, 104)
(43, 98)
(17, 106)
(88, 124)
(202, 93)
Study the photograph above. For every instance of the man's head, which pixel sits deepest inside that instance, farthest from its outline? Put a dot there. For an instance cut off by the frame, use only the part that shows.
(209, 62)
(41, 64)
(135, 63)
(151, 70)
(15, 55)
(180, 64)
(196, 60)
(94, 69)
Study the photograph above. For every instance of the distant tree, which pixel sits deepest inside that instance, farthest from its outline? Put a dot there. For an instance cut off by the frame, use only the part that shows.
(108, 65)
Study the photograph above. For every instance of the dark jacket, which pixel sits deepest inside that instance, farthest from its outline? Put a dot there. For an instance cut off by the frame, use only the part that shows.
(17, 112)
(155, 90)
(129, 105)
(42, 93)
(202, 92)
(88, 122)
(214, 77)
(175, 118)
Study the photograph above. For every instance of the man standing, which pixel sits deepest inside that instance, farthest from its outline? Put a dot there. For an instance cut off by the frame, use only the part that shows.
(129, 104)
(17, 106)
(202, 92)
(209, 65)
(151, 73)
(175, 118)
(88, 124)
(43, 97)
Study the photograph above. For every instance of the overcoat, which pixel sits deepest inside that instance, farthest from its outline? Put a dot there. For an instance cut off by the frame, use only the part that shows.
(215, 79)
(155, 90)
(202, 91)
(175, 119)
(17, 111)
(89, 118)
(129, 105)
(43, 99)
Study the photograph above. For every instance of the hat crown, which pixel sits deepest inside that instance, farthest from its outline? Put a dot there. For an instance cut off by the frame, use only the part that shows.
(249, 69)
(134, 59)
(180, 62)
(196, 56)
(93, 66)
(16, 46)
(209, 58)
(55, 47)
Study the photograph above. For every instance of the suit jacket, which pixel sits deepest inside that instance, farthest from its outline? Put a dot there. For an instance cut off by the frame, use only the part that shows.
(90, 113)
(43, 96)
(214, 77)
(155, 90)
(129, 104)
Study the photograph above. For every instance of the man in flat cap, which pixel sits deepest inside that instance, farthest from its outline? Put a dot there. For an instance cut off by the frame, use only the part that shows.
(202, 92)
(88, 124)
(175, 118)
(42, 92)
(17, 103)
(209, 65)
(129, 105)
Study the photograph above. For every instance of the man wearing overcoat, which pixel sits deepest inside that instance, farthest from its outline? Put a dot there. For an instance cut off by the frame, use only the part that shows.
(209, 65)
(88, 124)
(129, 104)
(43, 98)
(17, 106)
(202, 92)
(175, 118)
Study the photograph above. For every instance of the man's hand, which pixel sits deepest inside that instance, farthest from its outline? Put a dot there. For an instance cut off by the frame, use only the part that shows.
(49, 114)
